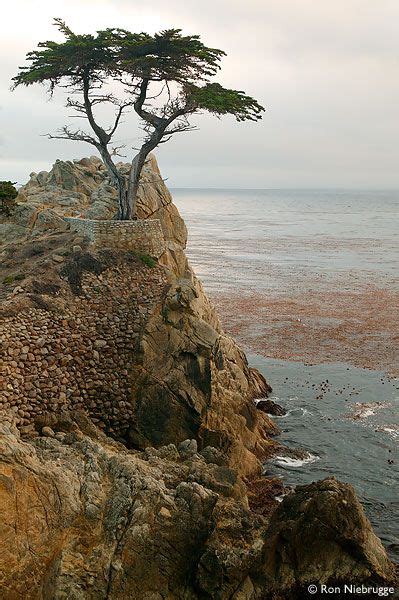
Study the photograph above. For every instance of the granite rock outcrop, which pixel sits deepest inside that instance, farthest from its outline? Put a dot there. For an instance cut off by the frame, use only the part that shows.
(130, 444)
(85, 518)
(320, 534)
(135, 343)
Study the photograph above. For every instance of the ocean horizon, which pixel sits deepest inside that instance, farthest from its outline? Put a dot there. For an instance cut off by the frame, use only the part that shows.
(289, 188)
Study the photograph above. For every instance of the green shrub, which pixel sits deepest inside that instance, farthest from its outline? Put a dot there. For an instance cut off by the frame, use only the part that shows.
(9, 279)
(8, 193)
(12, 278)
(147, 260)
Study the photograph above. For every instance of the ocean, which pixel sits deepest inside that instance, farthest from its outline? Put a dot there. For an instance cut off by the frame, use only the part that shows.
(308, 282)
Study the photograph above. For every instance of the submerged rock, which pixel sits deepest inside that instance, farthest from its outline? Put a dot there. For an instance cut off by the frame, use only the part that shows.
(271, 408)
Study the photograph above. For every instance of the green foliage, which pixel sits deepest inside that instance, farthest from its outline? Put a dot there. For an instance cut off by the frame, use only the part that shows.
(167, 56)
(9, 279)
(8, 193)
(78, 56)
(147, 260)
(165, 78)
(12, 278)
(7, 190)
(221, 101)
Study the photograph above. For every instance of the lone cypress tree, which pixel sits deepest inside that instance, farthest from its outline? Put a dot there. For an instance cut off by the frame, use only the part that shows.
(165, 78)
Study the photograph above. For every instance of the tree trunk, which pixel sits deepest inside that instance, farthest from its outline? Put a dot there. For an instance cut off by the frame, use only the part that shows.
(118, 180)
(122, 198)
(134, 181)
(136, 168)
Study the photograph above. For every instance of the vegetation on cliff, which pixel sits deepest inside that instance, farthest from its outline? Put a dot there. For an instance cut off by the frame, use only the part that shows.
(8, 193)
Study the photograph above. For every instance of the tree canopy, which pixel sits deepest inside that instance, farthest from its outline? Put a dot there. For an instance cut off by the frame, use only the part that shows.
(165, 78)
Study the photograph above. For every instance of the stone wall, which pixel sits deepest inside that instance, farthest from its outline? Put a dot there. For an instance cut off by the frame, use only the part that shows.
(143, 235)
(80, 357)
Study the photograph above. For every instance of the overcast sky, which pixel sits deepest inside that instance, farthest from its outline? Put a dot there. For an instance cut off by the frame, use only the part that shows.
(327, 72)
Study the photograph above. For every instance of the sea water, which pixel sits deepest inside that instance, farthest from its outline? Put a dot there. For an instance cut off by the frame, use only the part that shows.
(290, 241)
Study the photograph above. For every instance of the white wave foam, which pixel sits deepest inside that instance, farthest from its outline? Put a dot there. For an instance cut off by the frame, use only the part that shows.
(302, 410)
(256, 400)
(362, 410)
(391, 431)
(369, 412)
(280, 498)
(305, 411)
(295, 463)
(272, 398)
(290, 411)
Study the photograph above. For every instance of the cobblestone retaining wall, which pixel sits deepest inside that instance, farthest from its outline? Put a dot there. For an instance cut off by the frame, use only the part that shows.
(143, 235)
(80, 358)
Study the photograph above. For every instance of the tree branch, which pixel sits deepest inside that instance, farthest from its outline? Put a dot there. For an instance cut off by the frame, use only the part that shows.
(115, 151)
(154, 120)
(102, 135)
(77, 136)
(118, 117)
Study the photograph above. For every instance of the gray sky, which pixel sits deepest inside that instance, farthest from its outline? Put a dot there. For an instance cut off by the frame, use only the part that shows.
(327, 71)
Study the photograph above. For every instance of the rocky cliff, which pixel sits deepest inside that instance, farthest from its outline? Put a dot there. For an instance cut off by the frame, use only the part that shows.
(136, 345)
(84, 518)
(131, 446)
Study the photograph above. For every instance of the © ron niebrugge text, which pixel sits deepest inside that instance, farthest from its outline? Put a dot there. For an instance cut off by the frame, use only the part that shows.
(351, 589)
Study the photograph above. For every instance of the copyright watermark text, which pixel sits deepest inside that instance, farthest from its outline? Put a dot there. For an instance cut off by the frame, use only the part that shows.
(380, 591)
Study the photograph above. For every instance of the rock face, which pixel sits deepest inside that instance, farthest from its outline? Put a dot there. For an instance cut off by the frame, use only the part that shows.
(84, 518)
(191, 380)
(129, 435)
(139, 347)
(321, 534)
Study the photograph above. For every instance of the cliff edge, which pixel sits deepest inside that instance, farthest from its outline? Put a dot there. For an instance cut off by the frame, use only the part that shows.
(132, 340)
(130, 445)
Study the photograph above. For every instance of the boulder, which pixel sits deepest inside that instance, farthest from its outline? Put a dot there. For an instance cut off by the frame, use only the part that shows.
(9, 232)
(24, 215)
(48, 220)
(320, 534)
(271, 408)
(30, 220)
